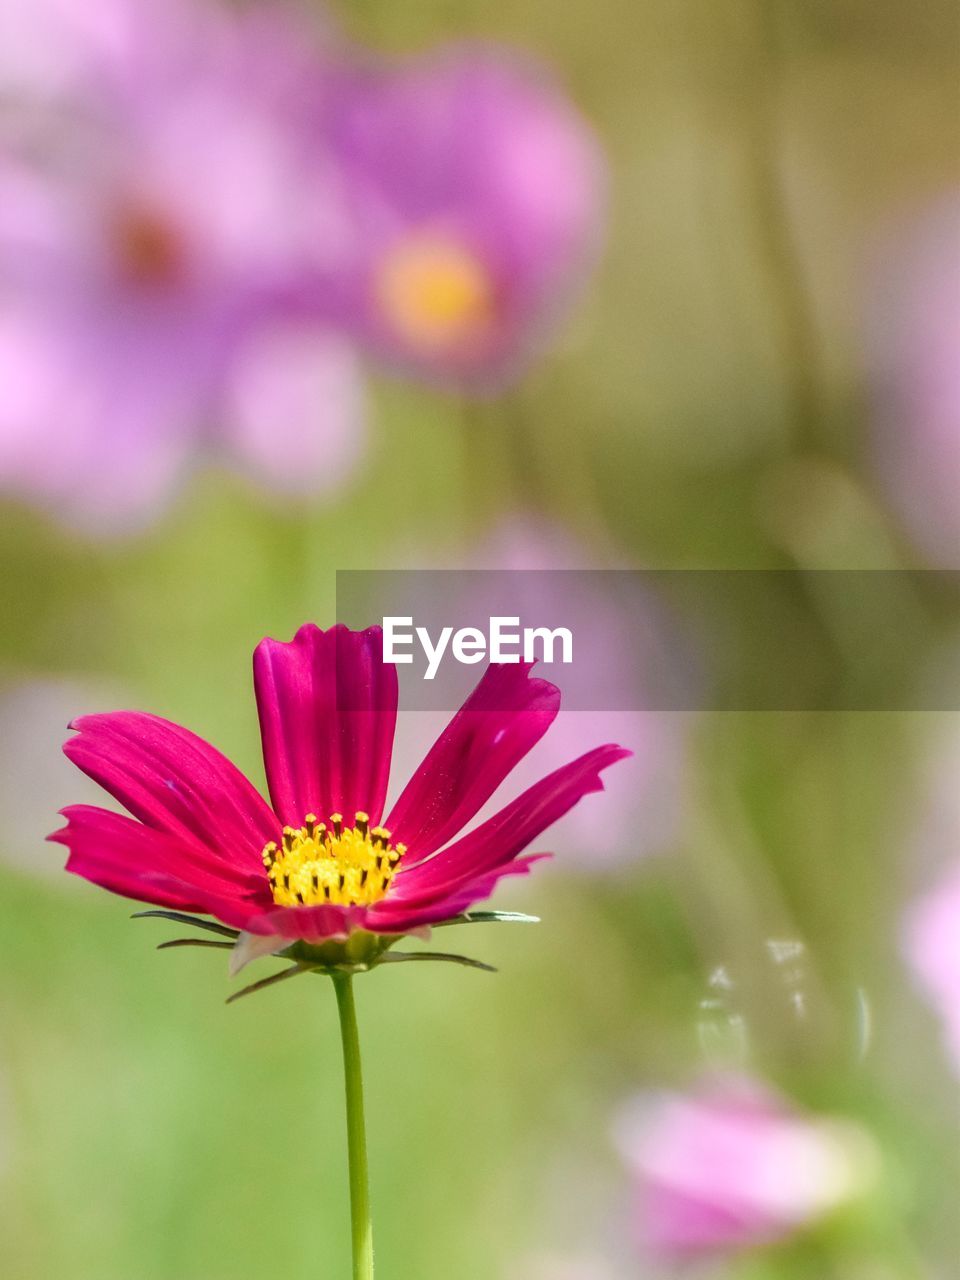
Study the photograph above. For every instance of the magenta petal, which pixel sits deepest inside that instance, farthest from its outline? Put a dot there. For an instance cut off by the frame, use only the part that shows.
(326, 922)
(403, 917)
(328, 708)
(176, 783)
(506, 715)
(508, 832)
(137, 861)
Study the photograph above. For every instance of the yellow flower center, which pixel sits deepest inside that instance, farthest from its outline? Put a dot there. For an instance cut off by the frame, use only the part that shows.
(328, 862)
(436, 294)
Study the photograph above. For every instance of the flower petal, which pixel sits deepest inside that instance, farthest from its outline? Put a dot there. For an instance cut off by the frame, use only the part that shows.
(505, 715)
(399, 916)
(325, 922)
(85, 428)
(507, 833)
(176, 783)
(328, 709)
(137, 861)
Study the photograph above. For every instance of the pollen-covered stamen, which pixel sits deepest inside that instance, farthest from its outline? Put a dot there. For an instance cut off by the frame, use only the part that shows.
(328, 862)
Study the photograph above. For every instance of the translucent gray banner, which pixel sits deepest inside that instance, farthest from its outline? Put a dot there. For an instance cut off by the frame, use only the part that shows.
(673, 640)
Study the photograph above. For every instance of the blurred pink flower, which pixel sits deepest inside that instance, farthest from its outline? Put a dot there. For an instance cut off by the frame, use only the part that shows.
(915, 353)
(476, 188)
(161, 197)
(933, 946)
(206, 212)
(732, 1165)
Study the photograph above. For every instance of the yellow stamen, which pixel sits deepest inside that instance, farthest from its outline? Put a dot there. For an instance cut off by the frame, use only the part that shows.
(436, 294)
(328, 862)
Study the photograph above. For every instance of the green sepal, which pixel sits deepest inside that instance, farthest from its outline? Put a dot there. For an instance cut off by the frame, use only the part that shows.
(179, 917)
(402, 957)
(356, 954)
(195, 942)
(489, 917)
(274, 978)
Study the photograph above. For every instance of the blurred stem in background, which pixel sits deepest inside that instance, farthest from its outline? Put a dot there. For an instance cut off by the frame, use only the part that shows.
(516, 459)
(487, 475)
(361, 1223)
(776, 236)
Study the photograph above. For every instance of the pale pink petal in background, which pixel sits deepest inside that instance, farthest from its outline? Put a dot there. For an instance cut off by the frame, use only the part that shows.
(732, 1165)
(294, 409)
(931, 929)
(933, 947)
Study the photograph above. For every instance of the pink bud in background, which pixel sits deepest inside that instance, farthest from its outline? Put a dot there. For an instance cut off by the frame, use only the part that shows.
(732, 1165)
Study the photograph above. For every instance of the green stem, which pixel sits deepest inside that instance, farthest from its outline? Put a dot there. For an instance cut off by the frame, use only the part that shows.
(361, 1224)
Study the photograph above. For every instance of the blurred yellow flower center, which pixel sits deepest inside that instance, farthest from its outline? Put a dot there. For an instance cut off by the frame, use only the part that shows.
(435, 293)
(328, 862)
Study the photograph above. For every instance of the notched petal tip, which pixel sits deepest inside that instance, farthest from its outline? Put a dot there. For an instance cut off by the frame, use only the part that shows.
(308, 631)
(67, 813)
(311, 633)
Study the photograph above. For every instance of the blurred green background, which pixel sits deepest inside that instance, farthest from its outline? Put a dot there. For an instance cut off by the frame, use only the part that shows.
(705, 408)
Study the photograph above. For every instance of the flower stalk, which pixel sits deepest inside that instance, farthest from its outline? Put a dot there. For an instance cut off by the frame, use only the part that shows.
(360, 1219)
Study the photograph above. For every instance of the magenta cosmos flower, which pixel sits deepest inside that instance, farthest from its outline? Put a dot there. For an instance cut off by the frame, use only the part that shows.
(476, 189)
(162, 197)
(732, 1166)
(321, 871)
